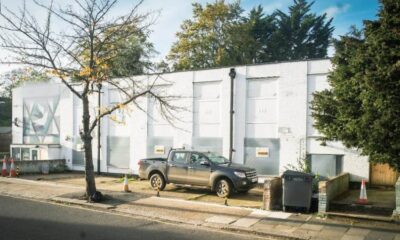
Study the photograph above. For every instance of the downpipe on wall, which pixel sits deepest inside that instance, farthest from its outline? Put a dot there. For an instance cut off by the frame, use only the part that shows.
(232, 75)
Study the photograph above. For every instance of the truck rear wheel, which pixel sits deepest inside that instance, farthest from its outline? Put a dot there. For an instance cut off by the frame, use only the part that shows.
(223, 188)
(157, 181)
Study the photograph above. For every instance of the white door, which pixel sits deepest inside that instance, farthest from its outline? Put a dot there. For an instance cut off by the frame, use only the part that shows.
(207, 116)
(34, 154)
(261, 145)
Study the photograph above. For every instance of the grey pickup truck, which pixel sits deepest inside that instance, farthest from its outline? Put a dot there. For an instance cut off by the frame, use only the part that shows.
(198, 169)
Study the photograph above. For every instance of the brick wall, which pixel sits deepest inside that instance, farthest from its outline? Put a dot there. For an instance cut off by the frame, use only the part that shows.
(272, 197)
(328, 190)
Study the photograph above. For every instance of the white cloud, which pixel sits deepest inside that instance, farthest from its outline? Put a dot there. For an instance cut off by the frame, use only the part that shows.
(336, 10)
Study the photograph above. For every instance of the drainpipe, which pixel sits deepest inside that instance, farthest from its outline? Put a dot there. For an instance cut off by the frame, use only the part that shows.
(98, 129)
(232, 75)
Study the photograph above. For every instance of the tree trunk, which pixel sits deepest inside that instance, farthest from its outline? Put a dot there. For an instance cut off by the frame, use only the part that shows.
(87, 141)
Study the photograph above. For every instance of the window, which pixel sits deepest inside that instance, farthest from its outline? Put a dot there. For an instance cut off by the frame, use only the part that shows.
(25, 154)
(16, 154)
(41, 122)
(326, 165)
(197, 158)
(35, 154)
(179, 157)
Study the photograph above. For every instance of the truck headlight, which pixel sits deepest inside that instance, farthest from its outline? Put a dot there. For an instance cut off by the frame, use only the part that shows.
(240, 174)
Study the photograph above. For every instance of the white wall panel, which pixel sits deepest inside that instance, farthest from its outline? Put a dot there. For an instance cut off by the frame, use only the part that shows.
(314, 83)
(262, 111)
(262, 108)
(158, 126)
(319, 67)
(206, 112)
(206, 109)
(120, 120)
(207, 90)
(262, 88)
(160, 130)
(261, 130)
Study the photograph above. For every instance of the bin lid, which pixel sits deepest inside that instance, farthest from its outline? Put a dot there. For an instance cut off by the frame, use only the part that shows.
(296, 174)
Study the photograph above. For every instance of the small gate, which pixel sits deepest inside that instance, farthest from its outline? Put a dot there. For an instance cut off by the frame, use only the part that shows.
(383, 175)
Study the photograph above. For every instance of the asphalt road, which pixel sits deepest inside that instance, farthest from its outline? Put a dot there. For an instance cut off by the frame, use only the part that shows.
(24, 219)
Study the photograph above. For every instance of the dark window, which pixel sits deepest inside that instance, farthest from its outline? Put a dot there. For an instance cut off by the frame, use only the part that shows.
(25, 154)
(197, 158)
(16, 154)
(326, 165)
(179, 157)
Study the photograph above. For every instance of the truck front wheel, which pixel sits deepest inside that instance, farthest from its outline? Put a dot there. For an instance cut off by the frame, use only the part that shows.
(157, 182)
(223, 188)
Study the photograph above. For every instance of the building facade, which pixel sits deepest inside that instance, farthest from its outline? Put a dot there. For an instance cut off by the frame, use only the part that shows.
(272, 127)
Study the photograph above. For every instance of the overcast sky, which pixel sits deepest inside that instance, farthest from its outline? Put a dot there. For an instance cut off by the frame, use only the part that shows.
(172, 12)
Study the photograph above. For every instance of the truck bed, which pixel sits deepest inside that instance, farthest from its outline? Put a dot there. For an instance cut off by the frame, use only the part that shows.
(149, 164)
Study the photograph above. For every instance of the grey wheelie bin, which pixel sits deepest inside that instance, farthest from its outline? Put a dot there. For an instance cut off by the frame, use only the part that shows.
(297, 189)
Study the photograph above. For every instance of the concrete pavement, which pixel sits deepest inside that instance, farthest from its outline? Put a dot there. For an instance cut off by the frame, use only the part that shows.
(253, 199)
(24, 219)
(212, 215)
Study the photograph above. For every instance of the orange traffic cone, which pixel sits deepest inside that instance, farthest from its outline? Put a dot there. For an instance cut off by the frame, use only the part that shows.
(126, 186)
(4, 169)
(363, 194)
(12, 169)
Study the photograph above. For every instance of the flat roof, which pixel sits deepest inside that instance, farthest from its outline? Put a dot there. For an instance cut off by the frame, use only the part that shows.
(233, 66)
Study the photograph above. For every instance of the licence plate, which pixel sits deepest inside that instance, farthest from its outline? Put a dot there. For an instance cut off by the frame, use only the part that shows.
(254, 180)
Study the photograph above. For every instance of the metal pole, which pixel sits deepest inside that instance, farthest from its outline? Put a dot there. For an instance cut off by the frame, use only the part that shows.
(232, 75)
(98, 129)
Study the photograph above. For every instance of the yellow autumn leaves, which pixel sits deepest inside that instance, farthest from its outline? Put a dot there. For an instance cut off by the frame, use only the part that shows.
(97, 72)
(119, 115)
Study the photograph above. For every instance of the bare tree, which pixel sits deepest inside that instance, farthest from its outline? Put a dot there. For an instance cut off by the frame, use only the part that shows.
(79, 56)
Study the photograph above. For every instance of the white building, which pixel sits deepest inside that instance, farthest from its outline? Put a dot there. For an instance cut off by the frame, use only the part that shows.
(272, 123)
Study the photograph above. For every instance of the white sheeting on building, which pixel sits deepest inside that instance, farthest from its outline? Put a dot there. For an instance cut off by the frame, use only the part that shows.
(272, 121)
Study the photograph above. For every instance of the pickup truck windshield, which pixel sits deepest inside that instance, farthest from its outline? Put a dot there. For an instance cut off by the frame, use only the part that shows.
(215, 158)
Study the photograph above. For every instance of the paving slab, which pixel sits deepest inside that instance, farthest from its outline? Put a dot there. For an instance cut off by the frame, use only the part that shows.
(246, 222)
(300, 217)
(221, 219)
(379, 235)
(330, 234)
(260, 213)
(305, 233)
(265, 225)
(358, 231)
(335, 229)
(291, 223)
(165, 215)
(205, 209)
(279, 215)
(352, 237)
(285, 228)
(311, 226)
